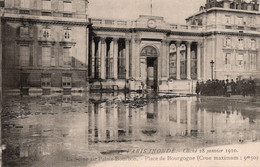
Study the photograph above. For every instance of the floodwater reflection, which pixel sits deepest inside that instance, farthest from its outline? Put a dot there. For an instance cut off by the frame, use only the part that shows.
(57, 129)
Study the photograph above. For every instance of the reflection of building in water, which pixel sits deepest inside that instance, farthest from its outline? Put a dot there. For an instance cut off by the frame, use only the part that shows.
(52, 130)
(48, 129)
(178, 117)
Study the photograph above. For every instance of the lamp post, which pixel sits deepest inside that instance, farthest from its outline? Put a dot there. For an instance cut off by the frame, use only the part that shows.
(125, 84)
(212, 65)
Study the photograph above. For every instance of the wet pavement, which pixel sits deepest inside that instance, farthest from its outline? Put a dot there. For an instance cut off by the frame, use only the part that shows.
(76, 129)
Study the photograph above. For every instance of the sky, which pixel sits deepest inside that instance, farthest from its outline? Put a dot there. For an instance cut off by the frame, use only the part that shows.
(173, 11)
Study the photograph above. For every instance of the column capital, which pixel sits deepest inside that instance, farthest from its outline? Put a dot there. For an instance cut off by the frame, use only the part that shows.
(178, 43)
(127, 40)
(138, 40)
(166, 41)
(199, 42)
(115, 39)
(188, 43)
(102, 39)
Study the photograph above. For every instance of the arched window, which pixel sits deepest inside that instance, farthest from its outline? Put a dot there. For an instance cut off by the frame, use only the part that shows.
(149, 51)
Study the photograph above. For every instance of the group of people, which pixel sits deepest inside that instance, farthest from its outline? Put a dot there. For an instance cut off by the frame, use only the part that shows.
(226, 87)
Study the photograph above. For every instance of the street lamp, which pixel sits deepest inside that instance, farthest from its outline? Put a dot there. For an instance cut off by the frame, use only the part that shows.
(125, 83)
(212, 65)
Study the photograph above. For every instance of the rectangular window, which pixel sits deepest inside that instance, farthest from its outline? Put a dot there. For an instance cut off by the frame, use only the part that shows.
(24, 31)
(67, 6)
(46, 33)
(25, 4)
(46, 56)
(46, 4)
(24, 55)
(228, 42)
(253, 61)
(46, 80)
(227, 60)
(241, 43)
(252, 21)
(66, 81)
(172, 65)
(253, 44)
(67, 56)
(67, 34)
(240, 61)
(228, 19)
(240, 21)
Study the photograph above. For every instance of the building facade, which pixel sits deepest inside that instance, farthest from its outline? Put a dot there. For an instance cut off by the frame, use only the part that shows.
(45, 44)
(53, 44)
(151, 53)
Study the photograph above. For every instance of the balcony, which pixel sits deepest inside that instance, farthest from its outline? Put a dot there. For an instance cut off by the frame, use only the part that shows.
(110, 23)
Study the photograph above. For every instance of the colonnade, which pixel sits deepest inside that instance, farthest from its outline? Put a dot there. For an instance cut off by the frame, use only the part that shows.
(104, 48)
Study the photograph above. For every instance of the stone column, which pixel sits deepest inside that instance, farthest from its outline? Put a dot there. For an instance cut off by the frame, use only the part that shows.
(98, 64)
(127, 57)
(137, 59)
(168, 58)
(188, 44)
(165, 59)
(93, 59)
(111, 55)
(115, 61)
(178, 44)
(87, 49)
(103, 58)
(198, 61)
(132, 62)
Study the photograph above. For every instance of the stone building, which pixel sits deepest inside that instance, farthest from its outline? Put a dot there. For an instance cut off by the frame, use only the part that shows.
(45, 44)
(232, 38)
(52, 44)
(151, 53)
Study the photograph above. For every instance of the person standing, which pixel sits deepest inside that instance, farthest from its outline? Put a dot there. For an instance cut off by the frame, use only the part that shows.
(197, 88)
(233, 87)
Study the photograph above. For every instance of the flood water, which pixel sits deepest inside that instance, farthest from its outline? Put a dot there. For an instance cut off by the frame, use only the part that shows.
(68, 130)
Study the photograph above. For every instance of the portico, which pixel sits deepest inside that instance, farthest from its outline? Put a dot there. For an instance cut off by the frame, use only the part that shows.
(151, 58)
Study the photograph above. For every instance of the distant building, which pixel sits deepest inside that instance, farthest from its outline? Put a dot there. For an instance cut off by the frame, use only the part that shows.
(45, 43)
(53, 44)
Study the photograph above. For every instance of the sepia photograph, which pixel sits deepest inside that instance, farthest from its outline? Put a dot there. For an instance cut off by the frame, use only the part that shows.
(130, 83)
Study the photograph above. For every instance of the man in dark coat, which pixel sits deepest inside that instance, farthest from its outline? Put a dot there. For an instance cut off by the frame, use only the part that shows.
(197, 88)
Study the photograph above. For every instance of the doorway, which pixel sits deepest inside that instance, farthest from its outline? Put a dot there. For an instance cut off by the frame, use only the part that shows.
(151, 80)
(149, 67)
